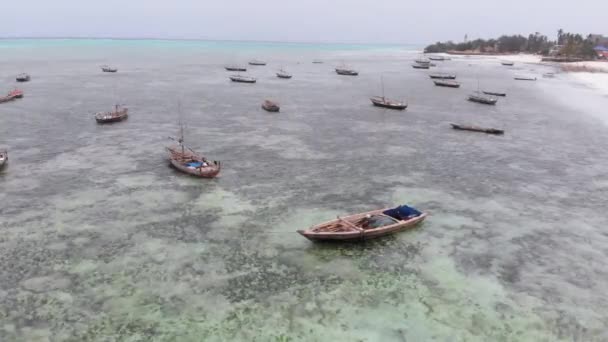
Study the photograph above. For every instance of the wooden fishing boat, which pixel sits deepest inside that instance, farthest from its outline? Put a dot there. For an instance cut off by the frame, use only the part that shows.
(235, 68)
(381, 101)
(507, 63)
(270, 106)
(190, 162)
(242, 79)
(483, 99)
(478, 129)
(441, 76)
(118, 114)
(23, 77)
(447, 83)
(3, 158)
(346, 72)
(283, 74)
(525, 78)
(12, 95)
(257, 62)
(494, 93)
(365, 226)
(106, 68)
(421, 66)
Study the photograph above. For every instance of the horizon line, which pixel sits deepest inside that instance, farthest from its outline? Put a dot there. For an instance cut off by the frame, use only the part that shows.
(201, 40)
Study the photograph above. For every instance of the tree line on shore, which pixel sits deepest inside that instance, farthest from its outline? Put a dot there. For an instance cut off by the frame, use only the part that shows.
(567, 44)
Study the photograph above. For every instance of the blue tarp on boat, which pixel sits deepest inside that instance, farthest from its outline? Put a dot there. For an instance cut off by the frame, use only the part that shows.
(194, 164)
(402, 212)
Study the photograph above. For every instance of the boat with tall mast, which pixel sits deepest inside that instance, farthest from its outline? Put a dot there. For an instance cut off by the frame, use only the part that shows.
(188, 161)
(382, 101)
(118, 114)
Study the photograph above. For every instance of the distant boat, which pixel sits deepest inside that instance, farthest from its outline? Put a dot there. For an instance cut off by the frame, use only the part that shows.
(421, 66)
(549, 75)
(3, 158)
(346, 71)
(507, 63)
(478, 129)
(106, 68)
(447, 83)
(481, 98)
(382, 101)
(257, 62)
(438, 58)
(235, 68)
(283, 74)
(525, 78)
(364, 226)
(190, 162)
(118, 114)
(271, 106)
(23, 77)
(12, 95)
(317, 61)
(422, 61)
(494, 93)
(242, 79)
(443, 76)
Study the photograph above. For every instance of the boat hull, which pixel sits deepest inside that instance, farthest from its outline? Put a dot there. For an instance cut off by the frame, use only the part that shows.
(346, 72)
(284, 76)
(366, 234)
(271, 108)
(235, 69)
(495, 94)
(242, 80)
(525, 78)
(112, 120)
(421, 66)
(447, 84)
(478, 129)
(382, 104)
(210, 171)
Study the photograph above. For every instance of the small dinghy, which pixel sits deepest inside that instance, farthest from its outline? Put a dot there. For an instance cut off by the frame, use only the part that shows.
(118, 114)
(483, 99)
(3, 158)
(23, 78)
(447, 83)
(106, 68)
(283, 74)
(346, 72)
(242, 79)
(443, 76)
(235, 68)
(188, 161)
(12, 95)
(365, 226)
(494, 93)
(257, 62)
(271, 106)
(478, 129)
(381, 101)
(525, 78)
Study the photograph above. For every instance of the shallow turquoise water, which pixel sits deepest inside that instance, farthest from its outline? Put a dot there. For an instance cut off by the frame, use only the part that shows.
(102, 241)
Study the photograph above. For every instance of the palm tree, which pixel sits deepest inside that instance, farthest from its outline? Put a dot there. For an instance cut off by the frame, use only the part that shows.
(560, 32)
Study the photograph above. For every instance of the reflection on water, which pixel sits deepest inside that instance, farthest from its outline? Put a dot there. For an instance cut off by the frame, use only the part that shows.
(102, 241)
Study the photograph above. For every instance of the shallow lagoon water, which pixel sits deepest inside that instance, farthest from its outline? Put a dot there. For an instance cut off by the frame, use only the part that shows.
(102, 241)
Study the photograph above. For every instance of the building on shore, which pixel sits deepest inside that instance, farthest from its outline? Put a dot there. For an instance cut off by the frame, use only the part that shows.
(602, 51)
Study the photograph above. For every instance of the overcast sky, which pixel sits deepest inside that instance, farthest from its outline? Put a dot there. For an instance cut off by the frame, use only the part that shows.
(366, 21)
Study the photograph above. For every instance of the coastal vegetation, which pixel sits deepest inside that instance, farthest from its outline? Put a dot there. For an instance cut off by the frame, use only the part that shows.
(567, 44)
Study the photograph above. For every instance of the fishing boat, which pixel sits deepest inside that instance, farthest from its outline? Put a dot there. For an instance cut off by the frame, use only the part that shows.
(382, 101)
(421, 66)
(478, 129)
(346, 71)
(257, 62)
(12, 95)
(443, 76)
(283, 74)
(118, 114)
(3, 158)
(494, 93)
(482, 98)
(106, 68)
(438, 58)
(447, 83)
(507, 63)
(270, 106)
(525, 78)
(23, 77)
(242, 79)
(235, 68)
(190, 162)
(365, 226)
(422, 61)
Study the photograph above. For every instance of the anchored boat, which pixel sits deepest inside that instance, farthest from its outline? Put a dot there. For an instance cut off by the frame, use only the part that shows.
(23, 77)
(346, 71)
(118, 114)
(12, 95)
(495, 93)
(235, 68)
(242, 79)
(478, 129)
(257, 62)
(106, 68)
(270, 106)
(190, 162)
(365, 226)
(283, 74)
(441, 76)
(483, 99)
(447, 83)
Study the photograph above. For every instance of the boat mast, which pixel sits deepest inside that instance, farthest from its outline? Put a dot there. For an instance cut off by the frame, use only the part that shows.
(181, 127)
(382, 82)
